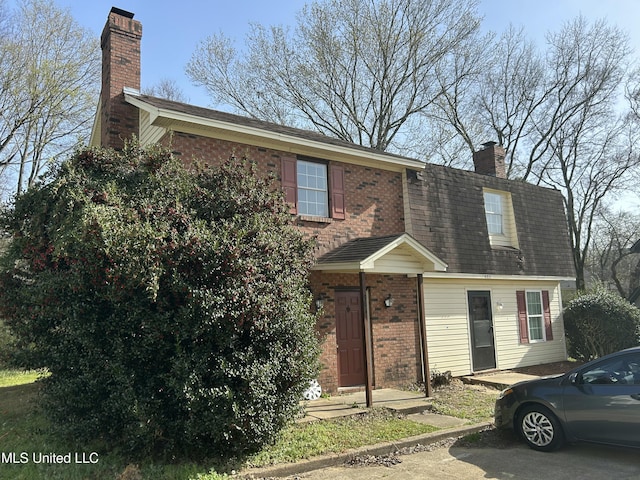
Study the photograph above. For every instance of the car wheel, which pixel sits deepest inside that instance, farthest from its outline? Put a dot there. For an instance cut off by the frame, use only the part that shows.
(540, 428)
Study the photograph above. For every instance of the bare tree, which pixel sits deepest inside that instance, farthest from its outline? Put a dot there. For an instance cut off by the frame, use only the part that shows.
(556, 112)
(611, 260)
(168, 89)
(358, 70)
(591, 162)
(590, 148)
(49, 73)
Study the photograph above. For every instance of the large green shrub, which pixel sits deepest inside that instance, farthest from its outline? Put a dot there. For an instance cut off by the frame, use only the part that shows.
(7, 346)
(170, 307)
(600, 322)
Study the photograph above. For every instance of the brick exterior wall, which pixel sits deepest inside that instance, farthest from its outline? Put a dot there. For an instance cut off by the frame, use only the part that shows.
(120, 44)
(396, 340)
(373, 199)
(374, 207)
(373, 203)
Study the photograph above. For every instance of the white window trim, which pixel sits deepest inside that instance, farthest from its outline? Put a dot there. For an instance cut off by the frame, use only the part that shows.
(509, 236)
(542, 324)
(495, 214)
(325, 190)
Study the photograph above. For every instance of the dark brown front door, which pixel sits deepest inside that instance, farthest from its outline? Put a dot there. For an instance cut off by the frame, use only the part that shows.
(349, 336)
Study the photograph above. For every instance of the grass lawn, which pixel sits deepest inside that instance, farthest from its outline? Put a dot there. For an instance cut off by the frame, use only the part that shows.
(10, 378)
(24, 432)
(471, 402)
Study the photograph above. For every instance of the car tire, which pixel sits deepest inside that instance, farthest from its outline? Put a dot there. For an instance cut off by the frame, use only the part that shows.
(540, 428)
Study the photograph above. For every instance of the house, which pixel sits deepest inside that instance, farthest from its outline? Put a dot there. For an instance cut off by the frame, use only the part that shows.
(499, 304)
(418, 266)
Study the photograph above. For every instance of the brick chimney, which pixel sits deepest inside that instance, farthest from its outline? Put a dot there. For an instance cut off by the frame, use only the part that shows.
(490, 160)
(120, 43)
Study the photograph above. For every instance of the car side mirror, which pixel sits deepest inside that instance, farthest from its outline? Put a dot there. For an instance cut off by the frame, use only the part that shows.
(574, 379)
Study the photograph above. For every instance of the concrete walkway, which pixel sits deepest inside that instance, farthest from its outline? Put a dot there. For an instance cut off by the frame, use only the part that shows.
(499, 380)
(414, 404)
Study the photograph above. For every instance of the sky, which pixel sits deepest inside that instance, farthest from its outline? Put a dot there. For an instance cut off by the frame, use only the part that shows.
(171, 31)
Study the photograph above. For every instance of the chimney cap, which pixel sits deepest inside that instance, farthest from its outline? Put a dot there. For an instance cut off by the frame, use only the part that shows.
(489, 144)
(121, 12)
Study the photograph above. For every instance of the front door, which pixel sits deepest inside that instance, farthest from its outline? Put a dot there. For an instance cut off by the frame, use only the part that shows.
(481, 326)
(349, 336)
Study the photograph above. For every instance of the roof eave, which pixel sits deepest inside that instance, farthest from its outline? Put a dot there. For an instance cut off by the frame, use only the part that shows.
(170, 119)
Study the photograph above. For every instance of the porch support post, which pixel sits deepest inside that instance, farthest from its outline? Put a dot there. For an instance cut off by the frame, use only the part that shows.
(368, 359)
(422, 328)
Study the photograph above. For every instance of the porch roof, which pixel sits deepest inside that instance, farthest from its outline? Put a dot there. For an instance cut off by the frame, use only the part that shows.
(398, 253)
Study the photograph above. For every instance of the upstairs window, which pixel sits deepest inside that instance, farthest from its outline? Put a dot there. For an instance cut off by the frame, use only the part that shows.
(493, 211)
(501, 223)
(313, 188)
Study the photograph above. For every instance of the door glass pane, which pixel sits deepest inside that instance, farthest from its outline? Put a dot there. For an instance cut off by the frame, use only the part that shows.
(482, 333)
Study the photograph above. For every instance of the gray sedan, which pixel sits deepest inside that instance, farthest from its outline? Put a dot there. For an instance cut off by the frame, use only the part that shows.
(597, 402)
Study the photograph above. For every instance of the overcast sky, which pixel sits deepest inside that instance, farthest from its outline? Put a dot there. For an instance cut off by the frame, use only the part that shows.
(172, 29)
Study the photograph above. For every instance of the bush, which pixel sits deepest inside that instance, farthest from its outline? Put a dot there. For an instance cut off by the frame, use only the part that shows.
(170, 307)
(600, 322)
(7, 346)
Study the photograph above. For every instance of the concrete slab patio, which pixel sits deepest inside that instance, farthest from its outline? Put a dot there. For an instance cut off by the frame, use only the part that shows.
(353, 403)
(398, 400)
(498, 380)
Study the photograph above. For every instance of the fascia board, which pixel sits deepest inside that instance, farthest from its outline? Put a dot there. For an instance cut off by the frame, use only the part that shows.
(511, 278)
(168, 118)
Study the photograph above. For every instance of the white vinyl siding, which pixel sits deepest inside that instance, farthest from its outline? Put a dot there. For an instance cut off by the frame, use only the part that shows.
(148, 133)
(312, 189)
(447, 320)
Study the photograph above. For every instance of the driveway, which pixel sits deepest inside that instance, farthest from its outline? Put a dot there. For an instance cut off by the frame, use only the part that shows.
(516, 461)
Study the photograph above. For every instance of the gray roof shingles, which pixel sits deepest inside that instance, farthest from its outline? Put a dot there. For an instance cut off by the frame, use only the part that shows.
(358, 249)
(448, 218)
(231, 118)
(447, 212)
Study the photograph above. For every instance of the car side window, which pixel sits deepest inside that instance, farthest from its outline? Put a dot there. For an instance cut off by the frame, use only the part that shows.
(623, 370)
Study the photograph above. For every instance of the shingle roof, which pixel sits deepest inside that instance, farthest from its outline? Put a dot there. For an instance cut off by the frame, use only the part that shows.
(406, 255)
(231, 118)
(358, 249)
(447, 217)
